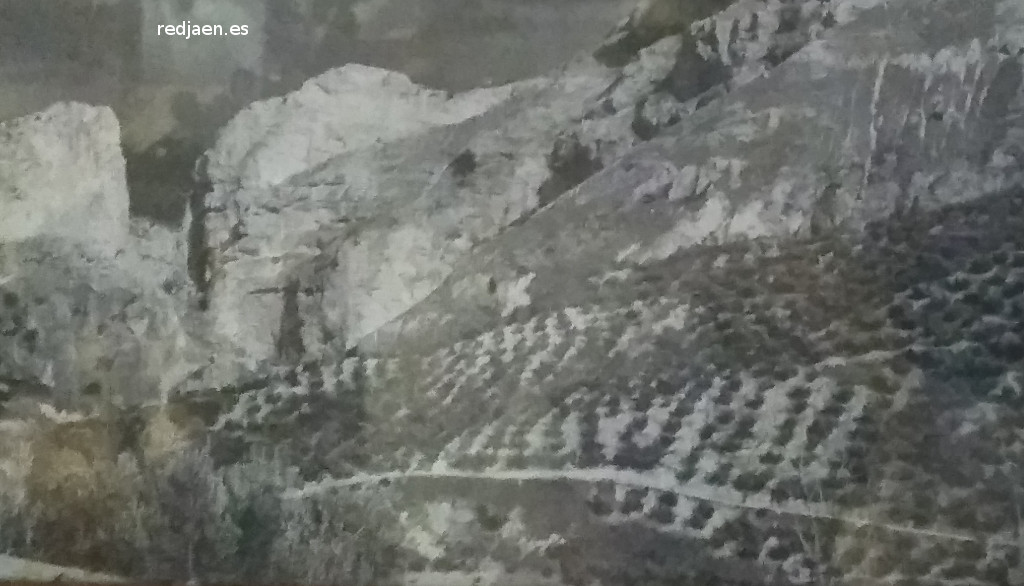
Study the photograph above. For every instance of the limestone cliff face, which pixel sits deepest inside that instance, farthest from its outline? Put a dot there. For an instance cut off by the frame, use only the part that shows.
(89, 304)
(62, 175)
(738, 300)
(323, 191)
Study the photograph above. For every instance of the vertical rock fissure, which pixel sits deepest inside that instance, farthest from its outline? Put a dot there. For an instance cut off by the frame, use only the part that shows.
(290, 347)
(198, 251)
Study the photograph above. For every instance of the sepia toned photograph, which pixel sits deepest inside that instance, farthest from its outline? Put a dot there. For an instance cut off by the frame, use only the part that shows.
(512, 292)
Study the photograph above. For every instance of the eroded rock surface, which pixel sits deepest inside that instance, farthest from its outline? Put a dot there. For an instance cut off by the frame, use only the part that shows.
(743, 307)
(62, 175)
(384, 218)
(369, 232)
(345, 109)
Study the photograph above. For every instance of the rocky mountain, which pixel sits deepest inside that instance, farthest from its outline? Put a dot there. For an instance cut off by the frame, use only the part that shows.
(736, 299)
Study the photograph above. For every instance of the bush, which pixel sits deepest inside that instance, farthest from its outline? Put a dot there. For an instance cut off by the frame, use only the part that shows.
(188, 532)
(337, 538)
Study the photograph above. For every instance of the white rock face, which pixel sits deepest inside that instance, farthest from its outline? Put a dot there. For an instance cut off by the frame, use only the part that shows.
(342, 110)
(416, 182)
(93, 303)
(62, 175)
(375, 214)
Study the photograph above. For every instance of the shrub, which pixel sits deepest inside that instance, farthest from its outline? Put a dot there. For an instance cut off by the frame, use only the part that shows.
(337, 538)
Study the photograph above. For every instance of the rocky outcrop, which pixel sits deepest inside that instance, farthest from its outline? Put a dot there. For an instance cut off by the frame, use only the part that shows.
(265, 239)
(383, 220)
(91, 304)
(377, 218)
(78, 329)
(651, 21)
(62, 175)
(348, 109)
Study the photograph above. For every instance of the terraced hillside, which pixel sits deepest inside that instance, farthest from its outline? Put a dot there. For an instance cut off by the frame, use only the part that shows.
(840, 408)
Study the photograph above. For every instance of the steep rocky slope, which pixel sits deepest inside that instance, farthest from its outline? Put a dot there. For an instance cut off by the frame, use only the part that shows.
(88, 295)
(375, 229)
(841, 133)
(739, 300)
